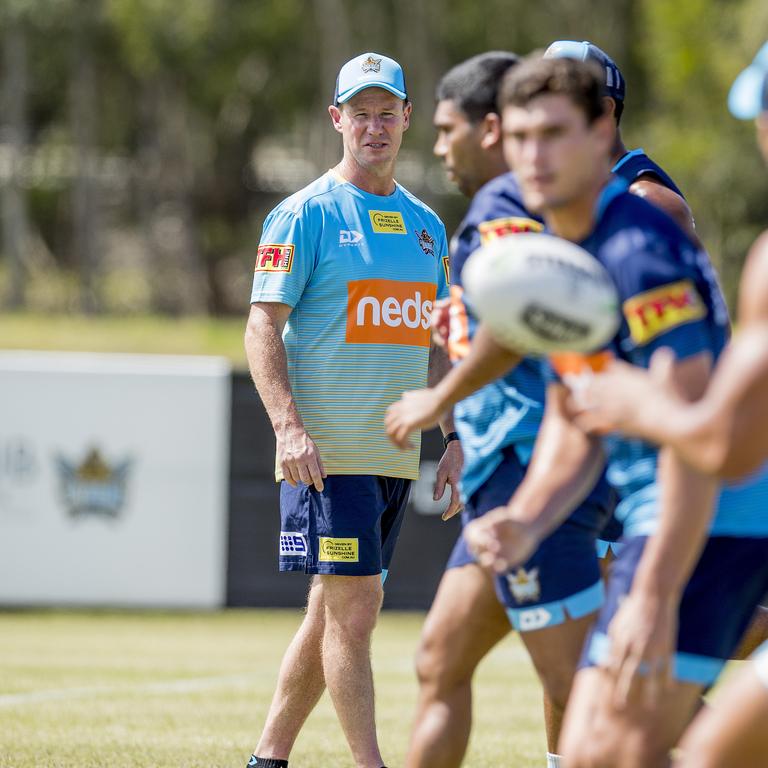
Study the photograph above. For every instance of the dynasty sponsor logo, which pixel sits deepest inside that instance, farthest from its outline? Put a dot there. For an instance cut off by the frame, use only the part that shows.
(350, 237)
(93, 486)
(388, 222)
(389, 312)
(333, 550)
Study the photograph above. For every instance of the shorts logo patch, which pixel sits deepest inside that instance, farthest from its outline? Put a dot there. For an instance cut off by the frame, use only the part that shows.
(490, 230)
(447, 269)
(274, 257)
(524, 585)
(388, 222)
(389, 312)
(338, 550)
(662, 309)
(292, 544)
(534, 618)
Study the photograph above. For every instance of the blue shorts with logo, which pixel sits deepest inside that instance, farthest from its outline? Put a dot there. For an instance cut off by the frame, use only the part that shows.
(610, 537)
(348, 529)
(562, 578)
(725, 588)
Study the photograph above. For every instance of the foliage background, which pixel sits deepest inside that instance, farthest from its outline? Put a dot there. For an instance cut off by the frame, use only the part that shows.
(143, 141)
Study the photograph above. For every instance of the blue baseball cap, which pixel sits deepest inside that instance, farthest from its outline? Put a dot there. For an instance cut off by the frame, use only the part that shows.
(615, 87)
(749, 93)
(369, 70)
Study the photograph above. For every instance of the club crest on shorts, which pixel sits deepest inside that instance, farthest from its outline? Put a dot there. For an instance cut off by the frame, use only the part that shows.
(371, 65)
(524, 585)
(427, 242)
(93, 486)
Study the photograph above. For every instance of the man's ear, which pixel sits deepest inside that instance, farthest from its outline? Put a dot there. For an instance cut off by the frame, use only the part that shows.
(407, 108)
(609, 105)
(491, 131)
(335, 114)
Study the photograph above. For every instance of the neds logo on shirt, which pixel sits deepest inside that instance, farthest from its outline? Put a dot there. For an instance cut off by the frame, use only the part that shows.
(389, 312)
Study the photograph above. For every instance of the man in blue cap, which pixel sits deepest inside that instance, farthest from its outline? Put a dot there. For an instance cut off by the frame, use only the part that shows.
(347, 272)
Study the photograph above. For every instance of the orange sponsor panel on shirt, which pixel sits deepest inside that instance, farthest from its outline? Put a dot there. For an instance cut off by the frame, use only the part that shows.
(274, 257)
(577, 364)
(661, 309)
(490, 230)
(389, 312)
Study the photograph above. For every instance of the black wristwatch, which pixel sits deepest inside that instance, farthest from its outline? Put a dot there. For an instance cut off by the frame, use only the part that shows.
(449, 438)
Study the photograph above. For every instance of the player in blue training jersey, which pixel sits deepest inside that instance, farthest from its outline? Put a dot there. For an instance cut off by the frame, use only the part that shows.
(723, 433)
(686, 581)
(552, 599)
(346, 275)
(650, 181)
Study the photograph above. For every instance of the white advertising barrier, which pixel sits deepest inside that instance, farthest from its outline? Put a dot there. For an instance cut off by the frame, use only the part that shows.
(113, 479)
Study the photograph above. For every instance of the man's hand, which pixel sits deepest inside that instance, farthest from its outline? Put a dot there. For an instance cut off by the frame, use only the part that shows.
(417, 409)
(299, 457)
(449, 472)
(441, 322)
(643, 636)
(620, 398)
(500, 542)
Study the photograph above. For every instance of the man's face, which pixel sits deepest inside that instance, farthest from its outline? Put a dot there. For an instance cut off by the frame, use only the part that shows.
(459, 146)
(372, 124)
(554, 151)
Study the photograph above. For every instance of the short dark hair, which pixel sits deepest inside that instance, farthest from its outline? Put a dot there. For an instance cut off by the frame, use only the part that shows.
(474, 84)
(580, 81)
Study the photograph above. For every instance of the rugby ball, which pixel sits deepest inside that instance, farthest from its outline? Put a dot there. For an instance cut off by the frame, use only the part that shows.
(541, 294)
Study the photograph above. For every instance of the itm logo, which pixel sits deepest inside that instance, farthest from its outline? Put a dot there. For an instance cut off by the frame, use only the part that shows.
(389, 312)
(93, 487)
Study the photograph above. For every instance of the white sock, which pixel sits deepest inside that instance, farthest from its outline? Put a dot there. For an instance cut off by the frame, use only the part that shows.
(553, 761)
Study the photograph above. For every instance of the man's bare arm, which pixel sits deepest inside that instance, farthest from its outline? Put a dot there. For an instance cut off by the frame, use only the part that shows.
(297, 454)
(669, 202)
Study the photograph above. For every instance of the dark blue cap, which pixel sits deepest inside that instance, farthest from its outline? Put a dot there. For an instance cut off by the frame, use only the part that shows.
(615, 87)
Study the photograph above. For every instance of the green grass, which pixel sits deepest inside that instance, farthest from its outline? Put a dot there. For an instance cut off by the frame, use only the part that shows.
(156, 690)
(146, 334)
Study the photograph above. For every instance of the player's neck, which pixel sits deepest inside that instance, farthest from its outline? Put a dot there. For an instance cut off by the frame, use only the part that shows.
(363, 178)
(619, 150)
(575, 219)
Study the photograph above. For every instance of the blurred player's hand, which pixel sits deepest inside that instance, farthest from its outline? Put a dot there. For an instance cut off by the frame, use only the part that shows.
(417, 409)
(299, 458)
(449, 473)
(643, 638)
(441, 322)
(500, 542)
(620, 398)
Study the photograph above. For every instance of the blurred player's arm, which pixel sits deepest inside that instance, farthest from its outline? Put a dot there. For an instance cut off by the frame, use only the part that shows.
(449, 467)
(424, 408)
(297, 454)
(644, 631)
(723, 432)
(565, 466)
(669, 202)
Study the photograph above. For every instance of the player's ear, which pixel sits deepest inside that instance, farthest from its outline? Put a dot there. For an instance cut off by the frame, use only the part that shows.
(604, 130)
(335, 113)
(407, 108)
(609, 107)
(491, 131)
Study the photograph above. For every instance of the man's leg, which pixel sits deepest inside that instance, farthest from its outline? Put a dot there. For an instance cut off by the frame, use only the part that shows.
(555, 653)
(352, 606)
(466, 620)
(597, 734)
(756, 635)
(732, 733)
(300, 682)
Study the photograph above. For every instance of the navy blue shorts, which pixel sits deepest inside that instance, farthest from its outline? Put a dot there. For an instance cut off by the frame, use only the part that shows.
(562, 578)
(610, 537)
(349, 528)
(725, 588)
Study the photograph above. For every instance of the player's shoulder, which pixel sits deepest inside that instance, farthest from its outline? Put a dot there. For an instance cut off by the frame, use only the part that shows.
(315, 195)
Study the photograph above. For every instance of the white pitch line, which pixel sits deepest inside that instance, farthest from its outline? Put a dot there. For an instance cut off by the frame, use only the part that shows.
(187, 685)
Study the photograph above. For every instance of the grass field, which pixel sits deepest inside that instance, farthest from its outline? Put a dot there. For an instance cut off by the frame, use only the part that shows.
(146, 334)
(189, 690)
